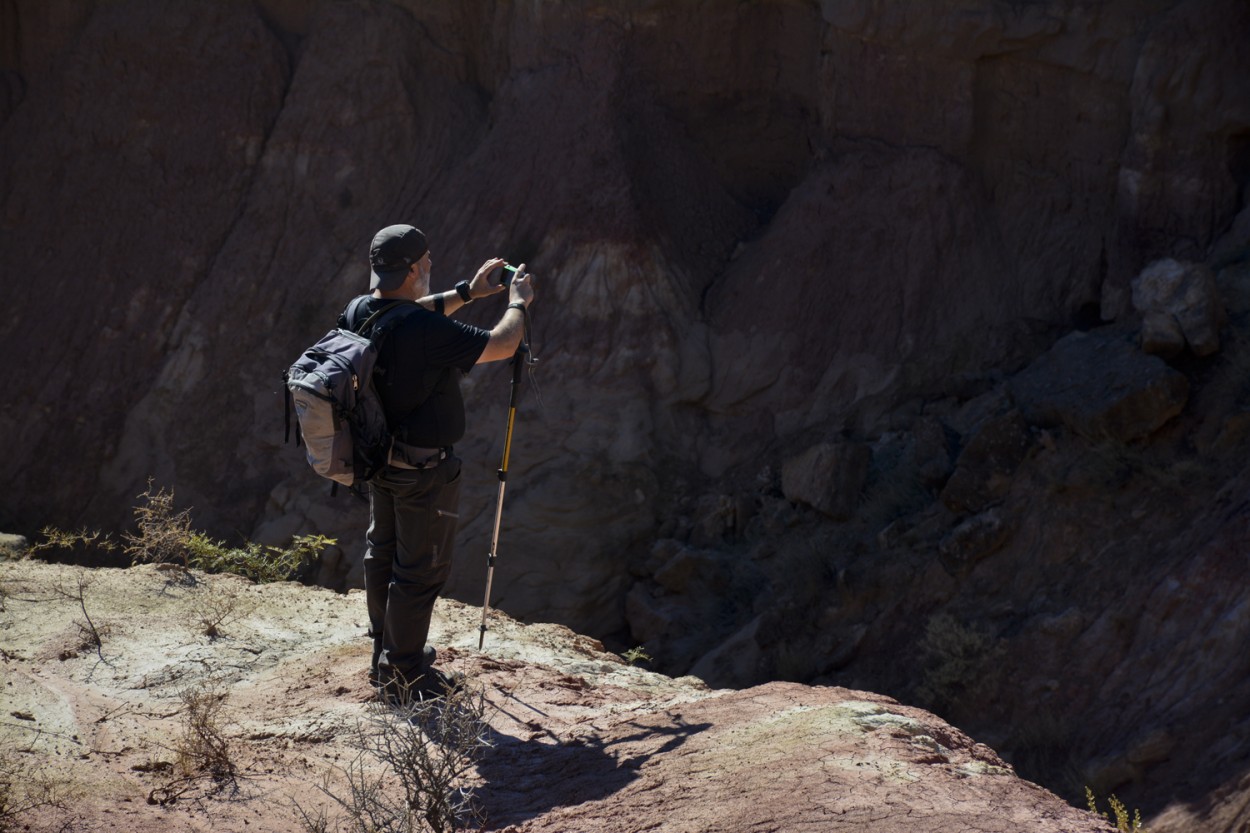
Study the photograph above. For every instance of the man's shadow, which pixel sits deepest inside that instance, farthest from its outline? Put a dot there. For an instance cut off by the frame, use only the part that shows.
(525, 778)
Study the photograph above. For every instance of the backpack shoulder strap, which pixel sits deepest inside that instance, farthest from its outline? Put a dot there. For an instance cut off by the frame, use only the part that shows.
(349, 319)
(372, 324)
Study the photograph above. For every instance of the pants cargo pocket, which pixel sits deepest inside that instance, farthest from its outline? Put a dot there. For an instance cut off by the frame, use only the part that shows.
(446, 514)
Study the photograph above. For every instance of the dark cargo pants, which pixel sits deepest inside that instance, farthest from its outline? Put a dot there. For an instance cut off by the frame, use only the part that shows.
(411, 539)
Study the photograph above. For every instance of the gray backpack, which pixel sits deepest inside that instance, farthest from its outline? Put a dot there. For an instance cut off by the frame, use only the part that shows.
(330, 387)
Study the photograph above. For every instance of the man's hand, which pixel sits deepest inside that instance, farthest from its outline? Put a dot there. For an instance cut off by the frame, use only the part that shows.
(522, 287)
(506, 335)
(481, 286)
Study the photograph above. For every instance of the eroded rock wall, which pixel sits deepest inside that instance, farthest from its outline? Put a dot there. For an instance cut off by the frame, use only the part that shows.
(756, 226)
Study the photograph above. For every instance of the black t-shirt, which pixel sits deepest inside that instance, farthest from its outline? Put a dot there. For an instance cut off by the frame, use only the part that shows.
(418, 373)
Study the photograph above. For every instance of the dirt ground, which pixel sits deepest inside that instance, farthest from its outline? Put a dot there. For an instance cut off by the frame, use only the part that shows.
(580, 739)
(291, 661)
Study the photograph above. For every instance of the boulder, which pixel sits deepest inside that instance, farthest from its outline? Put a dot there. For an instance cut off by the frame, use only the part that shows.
(13, 546)
(1101, 387)
(973, 540)
(734, 662)
(984, 468)
(718, 518)
(930, 452)
(828, 477)
(1180, 307)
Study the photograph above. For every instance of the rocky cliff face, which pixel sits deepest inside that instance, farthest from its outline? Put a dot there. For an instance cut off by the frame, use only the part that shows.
(754, 227)
(810, 276)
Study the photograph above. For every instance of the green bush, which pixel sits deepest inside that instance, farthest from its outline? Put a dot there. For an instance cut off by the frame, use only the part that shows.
(960, 660)
(258, 562)
(1123, 824)
(164, 536)
(637, 655)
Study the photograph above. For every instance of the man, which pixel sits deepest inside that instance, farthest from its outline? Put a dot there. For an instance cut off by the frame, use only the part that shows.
(413, 507)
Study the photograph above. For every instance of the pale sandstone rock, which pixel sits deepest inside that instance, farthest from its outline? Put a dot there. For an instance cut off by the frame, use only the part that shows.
(13, 546)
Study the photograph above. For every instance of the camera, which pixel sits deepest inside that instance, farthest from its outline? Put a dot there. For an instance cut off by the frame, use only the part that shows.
(506, 273)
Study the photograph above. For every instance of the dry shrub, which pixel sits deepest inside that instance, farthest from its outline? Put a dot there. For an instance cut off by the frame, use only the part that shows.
(90, 632)
(260, 563)
(163, 535)
(62, 540)
(216, 606)
(411, 769)
(1124, 823)
(24, 790)
(961, 662)
(202, 749)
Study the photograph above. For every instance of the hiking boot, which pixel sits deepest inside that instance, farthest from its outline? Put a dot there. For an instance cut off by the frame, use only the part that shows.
(435, 683)
(429, 685)
(378, 677)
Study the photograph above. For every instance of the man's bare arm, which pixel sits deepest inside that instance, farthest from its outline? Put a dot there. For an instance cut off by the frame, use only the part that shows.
(505, 337)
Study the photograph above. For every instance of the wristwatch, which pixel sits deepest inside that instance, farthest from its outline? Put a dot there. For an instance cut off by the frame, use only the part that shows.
(462, 289)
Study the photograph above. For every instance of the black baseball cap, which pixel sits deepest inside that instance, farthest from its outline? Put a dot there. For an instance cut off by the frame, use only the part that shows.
(394, 250)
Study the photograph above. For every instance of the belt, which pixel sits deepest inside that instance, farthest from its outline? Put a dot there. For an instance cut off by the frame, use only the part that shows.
(411, 457)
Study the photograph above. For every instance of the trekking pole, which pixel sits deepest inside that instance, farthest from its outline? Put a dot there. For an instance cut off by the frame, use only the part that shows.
(518, 361)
